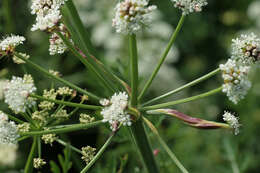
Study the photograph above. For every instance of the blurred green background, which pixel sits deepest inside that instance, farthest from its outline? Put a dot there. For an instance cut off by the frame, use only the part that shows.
(203, 43)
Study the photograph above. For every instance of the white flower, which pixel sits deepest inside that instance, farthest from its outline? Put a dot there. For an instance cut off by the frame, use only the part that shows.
(115, 112)
(232, 121)
(8, 154)
(16, 93)
(57, 46)
(9, 43)
(236, 82)
(47, 13)
(246, 48)
(131, 15)
(8, 130)
(189, 6)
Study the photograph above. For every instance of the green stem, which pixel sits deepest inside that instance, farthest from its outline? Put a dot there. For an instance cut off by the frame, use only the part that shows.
(29, 119)
(165, 146)
(139, 136)
(68, 128)
(39, 147)
(192, 83)
(14, 118)
(29, 165)
(168, 48)
(87, 64)
(134, 69)
(163, 105)
(71, 104)
(42, 70)
(137, 130)
(98, 155)
(69, 145)
(72, 16)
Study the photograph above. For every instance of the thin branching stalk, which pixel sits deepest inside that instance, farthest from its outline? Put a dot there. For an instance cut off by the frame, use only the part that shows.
(65, 144)
(42, 70)
(185, 100)
(39, 145)
(71, 104)
(192, 83)
(69, 128)
(14, 118)
(165, 146)
(29, 165)
(98, 155)
(162, 59)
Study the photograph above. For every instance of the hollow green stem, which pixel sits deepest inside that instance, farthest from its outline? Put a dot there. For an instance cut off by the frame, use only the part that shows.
(139, 137)
(69, 128)
(98, 155)
(87, 64)
(71, 104)
(165, 146)
(42, 70)
(69, 145)
(162, 59)
(196, 81)
(29, 165)
(134, 69)
(137, 130)
(189, 99)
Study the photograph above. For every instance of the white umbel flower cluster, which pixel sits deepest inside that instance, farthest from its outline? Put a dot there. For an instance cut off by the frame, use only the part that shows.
(8, 130)
(189, 6)
(9, 43)
(232, 121)
(8, 140)
(236, 82)
(47, 13)
(114, 112)
(57, 46)
(16, 93)
(246, 49)
(131, 15)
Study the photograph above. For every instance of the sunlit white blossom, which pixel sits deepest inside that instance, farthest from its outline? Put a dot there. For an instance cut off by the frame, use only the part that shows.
(232, 121)
(16, 93)
(246, 48)
(131, 15)
(9, 43)
(236, 82)
(189, 6)
(115, 112)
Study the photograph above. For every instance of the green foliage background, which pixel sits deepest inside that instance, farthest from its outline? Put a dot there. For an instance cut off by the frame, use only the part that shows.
(203, 43)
